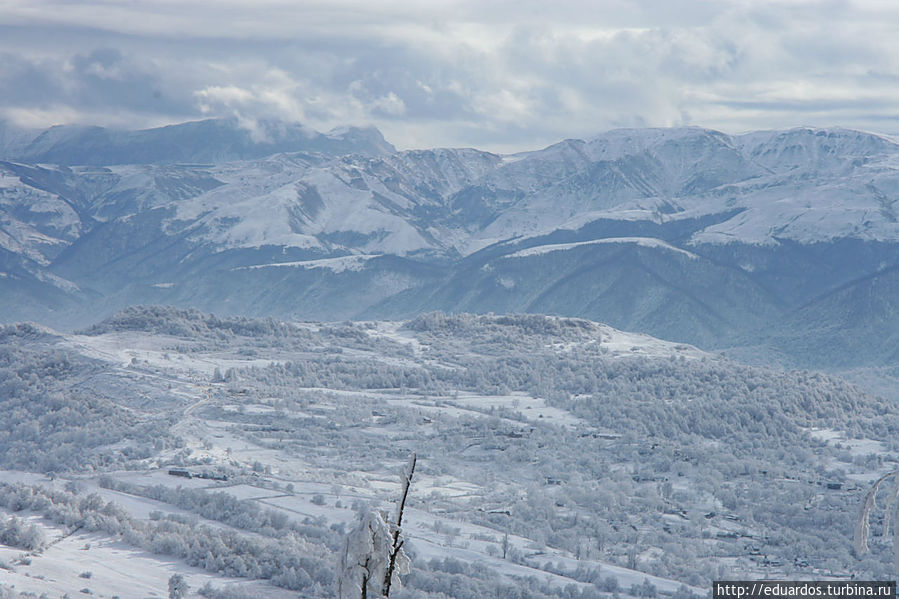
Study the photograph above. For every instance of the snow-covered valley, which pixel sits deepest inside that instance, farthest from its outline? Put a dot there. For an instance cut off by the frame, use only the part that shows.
(562, 456)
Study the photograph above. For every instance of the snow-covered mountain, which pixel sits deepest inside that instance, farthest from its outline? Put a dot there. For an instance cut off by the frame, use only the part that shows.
(688, 234)
(212, 140)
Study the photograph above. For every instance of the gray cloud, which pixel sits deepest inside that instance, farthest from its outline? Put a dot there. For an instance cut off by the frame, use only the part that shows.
(498, 75)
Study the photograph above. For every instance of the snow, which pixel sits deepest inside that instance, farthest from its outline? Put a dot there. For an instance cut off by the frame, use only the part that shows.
(366, 558)
(15, 246)
(618, 143)
(124, 348)
(806, 185)
(33, 221)
(627, 344)
(56, 281)
(435, 536)
(641, 241)
(860, 471)
(840, 178)
(250, 492)
(300, 506)
(854, 446)
(116, 569)
(394, 330)
(621, 213)
(531, 408)
(259, 207)
(355, 262)
(806, 214)
(17, 476)
(430, 534)
(431, 524)
(463, 544)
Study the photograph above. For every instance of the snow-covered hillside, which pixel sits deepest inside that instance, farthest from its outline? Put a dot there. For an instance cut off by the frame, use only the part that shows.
(556, 456)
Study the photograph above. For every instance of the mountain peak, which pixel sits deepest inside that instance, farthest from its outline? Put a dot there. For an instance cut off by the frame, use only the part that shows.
(828, 149)
(210, 140)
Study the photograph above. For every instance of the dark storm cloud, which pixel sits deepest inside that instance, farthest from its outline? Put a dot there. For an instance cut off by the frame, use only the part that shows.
(105, 78)
(24, 81)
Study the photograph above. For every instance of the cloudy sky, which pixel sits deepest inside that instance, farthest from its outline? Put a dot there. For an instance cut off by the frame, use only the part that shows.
(499, 75)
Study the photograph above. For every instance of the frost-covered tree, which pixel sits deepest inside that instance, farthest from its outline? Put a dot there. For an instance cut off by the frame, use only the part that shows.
(177, 587)
(373, 556)
(363, 562)
(15, 533)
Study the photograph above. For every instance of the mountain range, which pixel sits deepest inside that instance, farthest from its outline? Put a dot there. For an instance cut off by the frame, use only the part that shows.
(784, 244)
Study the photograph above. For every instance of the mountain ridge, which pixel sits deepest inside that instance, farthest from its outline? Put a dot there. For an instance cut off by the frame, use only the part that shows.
(205, 141)
(740, 231)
